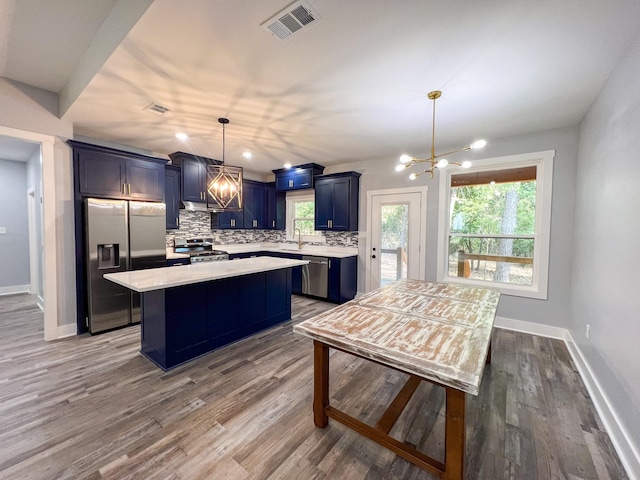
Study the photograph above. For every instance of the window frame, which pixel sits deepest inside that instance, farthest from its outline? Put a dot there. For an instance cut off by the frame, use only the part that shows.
(291, 198)
(543, 161)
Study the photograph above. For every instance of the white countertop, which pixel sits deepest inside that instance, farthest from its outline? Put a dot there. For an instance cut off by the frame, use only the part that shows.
(315, 250)
(160, 278)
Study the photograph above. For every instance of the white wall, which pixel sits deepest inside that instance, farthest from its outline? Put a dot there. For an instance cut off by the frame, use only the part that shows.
(380, 174)
(605, 287)
(14, 243)
(34, 180)
(29, 109)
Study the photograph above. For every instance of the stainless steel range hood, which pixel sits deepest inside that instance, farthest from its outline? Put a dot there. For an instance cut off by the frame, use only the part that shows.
(194, 206)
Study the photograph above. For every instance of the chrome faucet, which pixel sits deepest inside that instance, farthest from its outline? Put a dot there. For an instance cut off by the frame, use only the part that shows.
(299, 238)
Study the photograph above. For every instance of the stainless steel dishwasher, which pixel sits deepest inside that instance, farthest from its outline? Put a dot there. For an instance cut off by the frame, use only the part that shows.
(315, 276)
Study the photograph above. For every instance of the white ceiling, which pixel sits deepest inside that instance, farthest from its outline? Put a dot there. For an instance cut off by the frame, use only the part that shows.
(17, 150)
(352, 87)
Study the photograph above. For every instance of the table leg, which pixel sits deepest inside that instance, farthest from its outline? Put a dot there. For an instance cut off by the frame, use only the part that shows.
(454, 436)
(320, 383)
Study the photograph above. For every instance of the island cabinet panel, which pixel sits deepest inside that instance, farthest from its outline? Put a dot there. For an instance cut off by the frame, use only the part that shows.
(182, 323)
(109, 173)
(223, 316)
(296, 272)
(336, 201)
(278, 302)
(189, 338)
(252, 301)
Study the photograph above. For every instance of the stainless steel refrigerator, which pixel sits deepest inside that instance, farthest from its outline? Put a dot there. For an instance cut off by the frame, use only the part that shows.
(120, 235)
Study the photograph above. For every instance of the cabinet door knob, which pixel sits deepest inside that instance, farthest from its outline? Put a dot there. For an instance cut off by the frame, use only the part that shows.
(373, 256)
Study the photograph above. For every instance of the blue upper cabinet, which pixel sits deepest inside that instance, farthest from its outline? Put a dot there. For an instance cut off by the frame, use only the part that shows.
(109, 173)
(297, 178)
(263, 208)
(255, 204)
(193, 171)
(172, 196)
(336, 201)
(276, 201)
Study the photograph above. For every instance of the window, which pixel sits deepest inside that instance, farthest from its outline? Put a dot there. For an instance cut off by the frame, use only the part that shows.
(300, 215)
(495, 224)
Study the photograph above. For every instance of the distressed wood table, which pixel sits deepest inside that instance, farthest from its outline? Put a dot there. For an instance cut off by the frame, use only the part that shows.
(436, 332)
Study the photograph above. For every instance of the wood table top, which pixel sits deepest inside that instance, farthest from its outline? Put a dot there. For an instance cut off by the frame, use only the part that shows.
(437, 331)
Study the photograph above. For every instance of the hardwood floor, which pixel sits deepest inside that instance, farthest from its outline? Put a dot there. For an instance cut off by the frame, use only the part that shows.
(93, 407)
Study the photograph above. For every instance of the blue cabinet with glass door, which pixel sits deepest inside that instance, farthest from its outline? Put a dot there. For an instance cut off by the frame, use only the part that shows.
(336, 201)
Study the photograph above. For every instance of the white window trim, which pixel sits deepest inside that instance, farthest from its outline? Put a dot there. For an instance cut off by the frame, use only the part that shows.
(299, 196)
(542, 235)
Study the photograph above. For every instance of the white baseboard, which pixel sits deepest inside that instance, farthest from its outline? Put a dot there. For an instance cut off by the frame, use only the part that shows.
(40, 303)
(15, 289)
(531, 328)
(67, 330)
(628, 453)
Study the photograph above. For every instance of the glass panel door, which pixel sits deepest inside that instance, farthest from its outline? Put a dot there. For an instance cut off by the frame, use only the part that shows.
(395, 238)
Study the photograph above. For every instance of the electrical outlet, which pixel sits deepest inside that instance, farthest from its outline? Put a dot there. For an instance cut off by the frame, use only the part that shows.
(3, 230)
(587, 332)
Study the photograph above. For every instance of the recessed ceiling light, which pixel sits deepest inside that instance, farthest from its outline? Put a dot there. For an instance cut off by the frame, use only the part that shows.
(181, 136)
(287, 165)
(247, 154)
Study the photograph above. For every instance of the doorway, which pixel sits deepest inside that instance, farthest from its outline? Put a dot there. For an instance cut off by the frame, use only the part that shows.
(396, 235)
(48, 274)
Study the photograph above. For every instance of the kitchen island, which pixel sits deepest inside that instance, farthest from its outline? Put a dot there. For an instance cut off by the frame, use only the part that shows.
(190, 310)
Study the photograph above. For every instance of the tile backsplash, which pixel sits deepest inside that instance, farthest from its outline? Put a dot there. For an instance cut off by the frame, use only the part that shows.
(198, 224)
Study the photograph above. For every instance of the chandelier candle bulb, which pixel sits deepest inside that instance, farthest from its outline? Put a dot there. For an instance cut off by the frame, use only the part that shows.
(433, 162)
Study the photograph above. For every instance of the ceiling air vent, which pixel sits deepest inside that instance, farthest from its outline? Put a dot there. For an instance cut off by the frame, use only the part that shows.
(157, 109)
(296, 17)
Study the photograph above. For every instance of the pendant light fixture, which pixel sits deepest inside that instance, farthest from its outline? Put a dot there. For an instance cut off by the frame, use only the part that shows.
(436, 161)
(224, 183)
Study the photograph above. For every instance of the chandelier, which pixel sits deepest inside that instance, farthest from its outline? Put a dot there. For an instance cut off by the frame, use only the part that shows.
(436, 161)
(224, 183)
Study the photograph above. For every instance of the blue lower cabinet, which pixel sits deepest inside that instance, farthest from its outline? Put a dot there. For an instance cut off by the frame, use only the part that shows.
(183, 323)
(174, 262)
(342, 279)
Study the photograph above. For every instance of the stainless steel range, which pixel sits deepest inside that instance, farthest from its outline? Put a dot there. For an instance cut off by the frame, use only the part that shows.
(199, 249)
